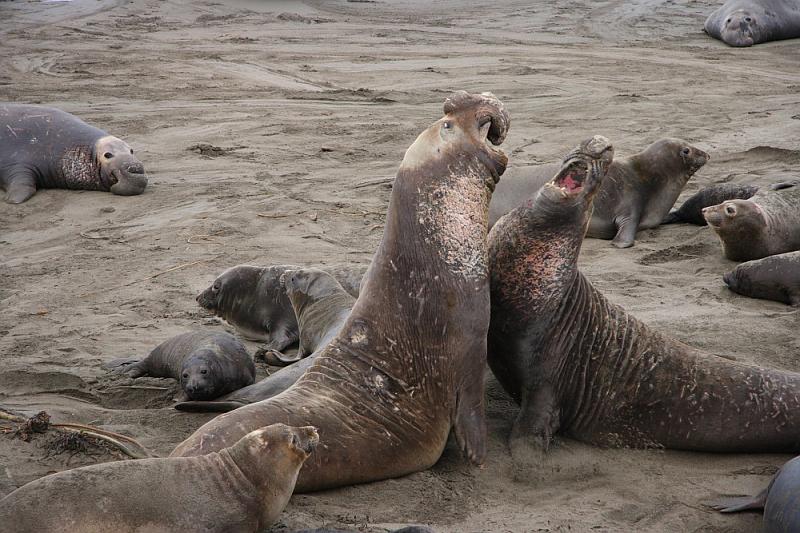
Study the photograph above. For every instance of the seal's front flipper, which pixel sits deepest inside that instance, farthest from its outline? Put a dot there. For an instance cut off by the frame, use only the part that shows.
(276, 358)
(470, 423)
(537, 422)
(20, 185)
(208, 407)
(735, 504)
(626, 232)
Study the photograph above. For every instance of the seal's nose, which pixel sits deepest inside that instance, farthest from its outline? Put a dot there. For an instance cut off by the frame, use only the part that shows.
(134, 167)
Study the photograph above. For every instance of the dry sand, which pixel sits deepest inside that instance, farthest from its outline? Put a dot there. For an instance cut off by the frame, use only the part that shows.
(309, 105)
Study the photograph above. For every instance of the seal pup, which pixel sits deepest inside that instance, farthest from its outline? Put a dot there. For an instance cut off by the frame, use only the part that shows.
(638, 193)
(776, 277)
(322, 307)
(780, 500)
(46, 148)
(207, 364)
(749, 22)
(583, 367)
(766, 224)
(252, 300)
(691, 211)
(242, 488)
(408, 365)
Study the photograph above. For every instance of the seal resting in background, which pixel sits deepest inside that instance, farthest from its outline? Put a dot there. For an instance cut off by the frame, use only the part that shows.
(780, 500)
(582, 366)
(749, 22)
(776, 277)
(252, 300)
(639, 192)
(322, 307)
(408, 365)
(766, 224)
(46, 148)
(242, 488)
(207, 364)
(691, 211)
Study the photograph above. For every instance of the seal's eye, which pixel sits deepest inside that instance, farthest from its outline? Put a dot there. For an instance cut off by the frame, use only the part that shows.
(730, 210)
(748, 19)
(108, 155)
(447, 125)
(728, 21)
(204, 371)
(685, 151)
(215, 287)
(185, 375)
(131, 151)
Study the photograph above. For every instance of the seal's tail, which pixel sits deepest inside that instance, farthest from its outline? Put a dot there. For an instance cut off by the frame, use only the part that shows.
(207, 407)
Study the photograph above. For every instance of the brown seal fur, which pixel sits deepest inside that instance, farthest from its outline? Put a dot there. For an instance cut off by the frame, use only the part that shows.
(582, 366)
(766, 224)
(409, 362)
(241, 488)
(322, 307)
(46, 148)
(252, 299)
(639, 191)
(776, 277)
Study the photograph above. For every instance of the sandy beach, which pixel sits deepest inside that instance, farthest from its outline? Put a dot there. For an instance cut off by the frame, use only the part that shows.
(271, 130)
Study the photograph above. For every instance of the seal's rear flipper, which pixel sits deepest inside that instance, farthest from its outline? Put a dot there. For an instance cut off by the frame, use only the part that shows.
(20, 185)
(735, 504)
(672, 217)
(784, 185)
(277, 358)
(208, 407)
(119, 365)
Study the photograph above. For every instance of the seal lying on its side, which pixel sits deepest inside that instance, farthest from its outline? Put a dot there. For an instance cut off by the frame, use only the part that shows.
(46, 148)
(691, 211)
(408, 365)
(584, 367)
(242, 488)
(780, 500)
(639, 192)
(776, 277)
(252, 299)
(749, 22)
(207, 364)
(766, 224)
(322, 306)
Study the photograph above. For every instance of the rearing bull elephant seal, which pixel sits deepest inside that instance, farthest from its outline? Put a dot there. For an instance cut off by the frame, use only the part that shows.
(408, 364)
(584, 367)
(749, 22)
(766, 224)
(640, 190)
(46, 148)
(242, 488)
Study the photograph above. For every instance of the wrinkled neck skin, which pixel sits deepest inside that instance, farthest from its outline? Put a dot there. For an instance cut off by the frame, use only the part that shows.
(427, 286)
(78, 168)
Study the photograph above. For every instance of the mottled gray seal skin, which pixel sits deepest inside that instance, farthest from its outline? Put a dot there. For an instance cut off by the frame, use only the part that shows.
(749, 22)
(207, 364)
(691, 211)
(581, 366)
(780, 501)
(46, 148)
(766, 224)
(252, 300)
(408, 365)
(639, 192)
(776, 277)
(407, 529)
(243, 488)
(322, 307)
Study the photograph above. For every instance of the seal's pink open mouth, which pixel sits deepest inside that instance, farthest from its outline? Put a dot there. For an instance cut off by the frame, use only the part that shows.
(571, 178)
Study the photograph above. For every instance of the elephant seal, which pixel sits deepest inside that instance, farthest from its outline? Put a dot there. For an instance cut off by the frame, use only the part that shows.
(207, 364)
(776, 277)
(407, 529)
(322, 307)
(46, 148)
(408, 365)
(691, 211)
(780, 500)
(241, 488)
(766, 224)
(639, 192)
(749, 22)
(252, 299)
(582, 366)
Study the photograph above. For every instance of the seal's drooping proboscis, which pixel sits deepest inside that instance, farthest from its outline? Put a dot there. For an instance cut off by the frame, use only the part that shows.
(46, 148)
(766, 224)
(749, 22)
(242, 488)
(408, 365)
(581, 366)
(639, 192)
